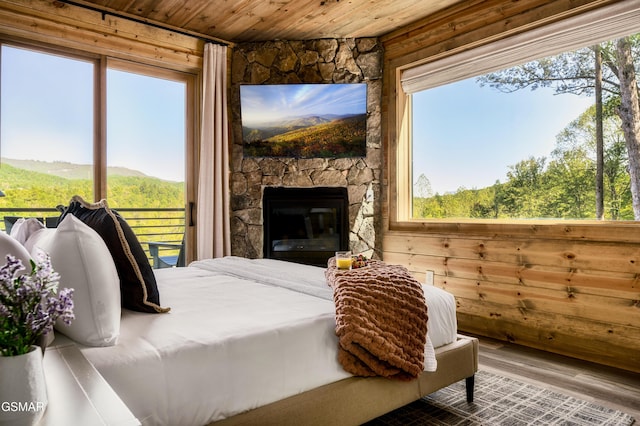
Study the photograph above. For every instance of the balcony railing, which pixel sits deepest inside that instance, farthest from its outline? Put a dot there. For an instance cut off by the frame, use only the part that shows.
(151, 225)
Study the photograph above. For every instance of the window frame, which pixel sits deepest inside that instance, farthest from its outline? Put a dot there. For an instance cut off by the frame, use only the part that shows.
(192, 80)
(101, 64)
(453, 65)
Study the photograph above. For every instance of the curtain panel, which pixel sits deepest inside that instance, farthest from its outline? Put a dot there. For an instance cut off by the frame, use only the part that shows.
(213, 229)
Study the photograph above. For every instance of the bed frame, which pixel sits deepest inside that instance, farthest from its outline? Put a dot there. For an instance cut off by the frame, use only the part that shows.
(356, 400)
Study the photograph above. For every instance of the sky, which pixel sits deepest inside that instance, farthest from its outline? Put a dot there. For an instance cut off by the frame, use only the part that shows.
(47, 115)
(467, 136)
(265, 103)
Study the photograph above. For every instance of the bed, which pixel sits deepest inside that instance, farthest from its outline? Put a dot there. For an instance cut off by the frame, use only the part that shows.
(239, 341)
(253, 342)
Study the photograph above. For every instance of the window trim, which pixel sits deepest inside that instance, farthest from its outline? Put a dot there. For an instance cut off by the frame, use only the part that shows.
(574, 32)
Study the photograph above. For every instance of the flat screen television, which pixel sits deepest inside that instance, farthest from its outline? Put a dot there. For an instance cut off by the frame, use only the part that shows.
(304, 120)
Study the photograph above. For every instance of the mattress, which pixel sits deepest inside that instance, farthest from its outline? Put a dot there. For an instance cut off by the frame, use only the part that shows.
(241, 334)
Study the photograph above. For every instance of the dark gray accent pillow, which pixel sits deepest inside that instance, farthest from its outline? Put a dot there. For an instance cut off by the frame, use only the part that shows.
(138, 288)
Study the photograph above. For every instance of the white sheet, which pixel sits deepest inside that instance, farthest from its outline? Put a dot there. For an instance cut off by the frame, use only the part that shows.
(228, 345)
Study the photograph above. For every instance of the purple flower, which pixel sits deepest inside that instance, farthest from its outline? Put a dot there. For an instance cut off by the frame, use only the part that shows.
(30, 304)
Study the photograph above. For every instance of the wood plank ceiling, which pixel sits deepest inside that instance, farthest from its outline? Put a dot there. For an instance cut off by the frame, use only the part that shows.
(263, 20)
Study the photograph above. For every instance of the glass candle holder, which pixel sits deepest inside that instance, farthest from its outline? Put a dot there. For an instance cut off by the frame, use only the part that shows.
(343, 260)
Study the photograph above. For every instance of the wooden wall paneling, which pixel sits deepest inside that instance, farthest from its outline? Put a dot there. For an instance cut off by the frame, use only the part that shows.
(596, 256)
(544, 326)
(479, 23)
(580, 339)
(608, 284)
(613, 310)
(619, 232)
(581, 292)
(77, 28)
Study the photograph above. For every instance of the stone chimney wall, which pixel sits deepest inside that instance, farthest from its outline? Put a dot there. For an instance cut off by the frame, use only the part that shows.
(317, 61)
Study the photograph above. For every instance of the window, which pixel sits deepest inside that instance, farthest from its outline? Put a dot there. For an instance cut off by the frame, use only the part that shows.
(99, 128)
(47, 129)
(146, 137)
(469, 150)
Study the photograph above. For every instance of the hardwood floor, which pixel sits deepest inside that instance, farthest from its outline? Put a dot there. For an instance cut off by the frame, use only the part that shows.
(606, 386)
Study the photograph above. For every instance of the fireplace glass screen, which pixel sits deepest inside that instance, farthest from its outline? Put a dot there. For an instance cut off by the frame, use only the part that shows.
(305, 225)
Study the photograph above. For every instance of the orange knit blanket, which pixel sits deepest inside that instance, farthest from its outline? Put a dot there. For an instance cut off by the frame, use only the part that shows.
(381, 320)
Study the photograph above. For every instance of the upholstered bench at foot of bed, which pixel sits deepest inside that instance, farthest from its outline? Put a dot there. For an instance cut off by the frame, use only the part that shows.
(356, 400)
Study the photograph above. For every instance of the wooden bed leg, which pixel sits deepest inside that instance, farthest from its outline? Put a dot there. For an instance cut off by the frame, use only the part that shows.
(470, 382)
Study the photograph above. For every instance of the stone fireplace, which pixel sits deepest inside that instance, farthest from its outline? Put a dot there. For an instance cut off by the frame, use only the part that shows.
(317, 61)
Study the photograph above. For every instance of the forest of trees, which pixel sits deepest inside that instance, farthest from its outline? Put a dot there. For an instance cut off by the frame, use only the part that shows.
(33, 189)
(594, 170)
(29, 187)
(561, 186)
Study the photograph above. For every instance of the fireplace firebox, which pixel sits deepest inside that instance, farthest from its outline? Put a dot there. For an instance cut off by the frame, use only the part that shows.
(305, 225)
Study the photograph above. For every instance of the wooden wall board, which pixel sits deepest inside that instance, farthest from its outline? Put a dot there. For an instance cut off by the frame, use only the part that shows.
(576, 281)
(471, 24)
(589, 343)
(88, 31)
(585, 255)
(612, 310)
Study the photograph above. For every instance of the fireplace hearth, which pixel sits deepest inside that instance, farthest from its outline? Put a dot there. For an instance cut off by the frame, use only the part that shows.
(305, 225)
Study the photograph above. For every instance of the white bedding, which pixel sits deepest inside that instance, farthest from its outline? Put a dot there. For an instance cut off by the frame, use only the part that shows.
(230, 344)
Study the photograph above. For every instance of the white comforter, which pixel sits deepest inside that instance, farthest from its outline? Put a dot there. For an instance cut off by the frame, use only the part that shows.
(231, 344)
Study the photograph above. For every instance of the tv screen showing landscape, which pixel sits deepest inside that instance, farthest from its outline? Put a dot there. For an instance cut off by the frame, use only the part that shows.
(304, 120)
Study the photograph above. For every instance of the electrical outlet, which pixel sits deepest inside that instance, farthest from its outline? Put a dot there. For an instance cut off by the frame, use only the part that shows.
(369, 195)
(429, 279)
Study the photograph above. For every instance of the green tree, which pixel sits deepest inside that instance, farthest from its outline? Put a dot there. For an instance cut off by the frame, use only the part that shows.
(570, 176)
(582, 134)
(575, 72)
(421, 193)
(523, 193)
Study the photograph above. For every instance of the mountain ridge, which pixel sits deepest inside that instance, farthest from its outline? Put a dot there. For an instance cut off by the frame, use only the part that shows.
(68, 170)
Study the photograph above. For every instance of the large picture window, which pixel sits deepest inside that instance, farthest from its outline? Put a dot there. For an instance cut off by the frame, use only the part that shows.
(55, 121)
(540, 126)
(82, 124)
(46, 137)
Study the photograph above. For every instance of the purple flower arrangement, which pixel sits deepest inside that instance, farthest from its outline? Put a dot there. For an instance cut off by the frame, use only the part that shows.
(30, 304)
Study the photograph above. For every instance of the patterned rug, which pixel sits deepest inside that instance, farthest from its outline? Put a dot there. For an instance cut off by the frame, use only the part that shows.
(502, 401)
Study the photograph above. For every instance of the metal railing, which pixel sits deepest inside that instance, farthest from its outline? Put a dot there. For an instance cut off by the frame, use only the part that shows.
(151, 225)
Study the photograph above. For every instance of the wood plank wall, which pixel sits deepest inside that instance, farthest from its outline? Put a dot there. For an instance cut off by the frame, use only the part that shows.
(73, 27)
(570, 288)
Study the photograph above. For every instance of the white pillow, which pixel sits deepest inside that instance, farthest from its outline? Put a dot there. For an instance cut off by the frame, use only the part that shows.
(9, 245)
(23, 228)
(37, 239)
(84, 263)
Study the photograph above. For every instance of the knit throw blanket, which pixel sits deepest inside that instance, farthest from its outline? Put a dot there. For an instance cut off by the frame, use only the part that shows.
(381, 320)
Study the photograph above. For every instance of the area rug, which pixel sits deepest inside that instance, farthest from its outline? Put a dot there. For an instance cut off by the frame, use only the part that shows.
(501, 400)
